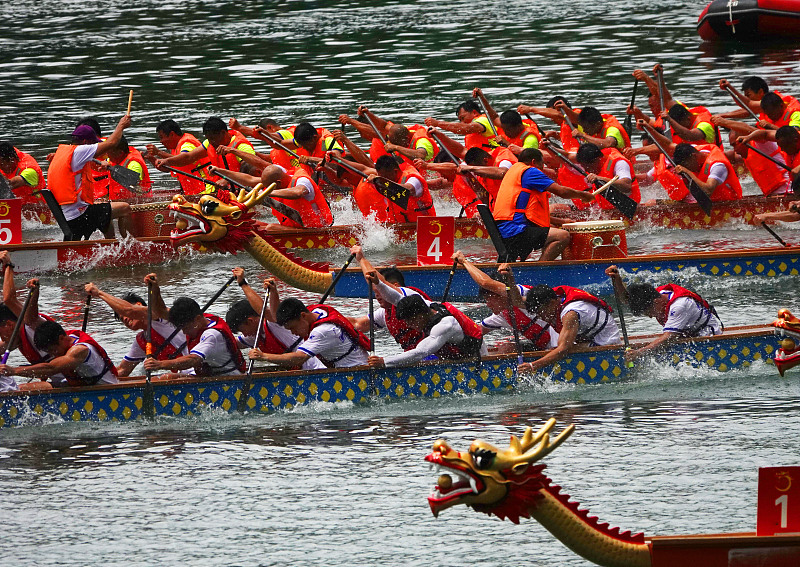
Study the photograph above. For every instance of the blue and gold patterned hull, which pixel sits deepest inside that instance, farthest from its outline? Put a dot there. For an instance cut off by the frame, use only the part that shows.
(285, 390)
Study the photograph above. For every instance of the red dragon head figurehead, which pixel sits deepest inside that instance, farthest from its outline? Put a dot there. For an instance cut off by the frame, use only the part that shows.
(787, 327)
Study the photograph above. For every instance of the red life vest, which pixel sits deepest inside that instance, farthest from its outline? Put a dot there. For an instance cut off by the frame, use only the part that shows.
(531, 129)
(567, 295)
(325, 143)
(731, 189)
(470, 347)
(417, 206)
(793, 160)
(679, 292)
(499, 155)
(791, 107)
(568, 141)
(26, 161)
(465, 196)
(117, 192)
(787, 100)
(75, 379)
(420, 132)
(481, 140)
(528, 327)
(405, 336)
(506, 204)
(228, 161)
(700, 114)
(768, 175)
(221, 326)
(188, 185)
(357, 338)
(612, 156)
(315, 214)
(27, 348)
(169, 352)
(369, 202)
(671, 181)
(61, 178)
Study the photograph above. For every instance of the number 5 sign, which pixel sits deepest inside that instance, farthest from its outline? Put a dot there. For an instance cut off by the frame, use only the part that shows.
(435, 237)
(10, 221)
(778, 501)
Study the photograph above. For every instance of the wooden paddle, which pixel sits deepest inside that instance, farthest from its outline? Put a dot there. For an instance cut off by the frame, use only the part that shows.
(17, 326)
(491, 124)
(336, 279)
(513, 315)
(148, 397)
(742, 103)
(282, 208)
(86, 307)
(622, 326)
(494, 233)
(620, 200)
(449, 281)
(130, 100)
(773, 233)
(702, 198)
(396, 193)
(122, 175)
(628, 125)
(248, 381)
(795, 181)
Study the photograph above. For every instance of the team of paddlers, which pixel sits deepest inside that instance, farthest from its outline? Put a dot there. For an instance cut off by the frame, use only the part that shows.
(416, 158)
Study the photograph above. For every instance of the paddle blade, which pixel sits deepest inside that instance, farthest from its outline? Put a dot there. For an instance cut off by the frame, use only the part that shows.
(702, 198)
(5, 189)
(395, 192)
(283, 209)
(796, 185)
(124, 176)
(621, 201)
(494, 233)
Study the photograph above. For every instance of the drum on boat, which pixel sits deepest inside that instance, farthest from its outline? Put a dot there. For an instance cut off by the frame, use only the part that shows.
(596, 239)
(151, 219)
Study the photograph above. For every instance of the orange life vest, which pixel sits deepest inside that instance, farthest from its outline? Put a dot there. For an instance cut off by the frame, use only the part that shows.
(612, 156)
(61, 178)
(499, 155)
(787, 100)
(324, 143)
(417, 206)
(117, 192)
(700, 114)
(791, 107)
(420, 132)
(568, 141)
(610, 121)
(507, 203)
(188, 185)
(465, 196)
(731, 189)
(229, 162)
(370, 201)
(531, 129)
(768, 175)
(480, 140)
(669, 180)
(315, 214)
(26, 161)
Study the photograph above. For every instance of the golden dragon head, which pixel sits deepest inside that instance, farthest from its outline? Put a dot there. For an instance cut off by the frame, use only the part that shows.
(222, 221)
(787, 327)
(503, 482)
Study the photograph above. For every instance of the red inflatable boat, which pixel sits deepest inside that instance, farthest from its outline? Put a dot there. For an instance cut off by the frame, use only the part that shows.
(749, 20)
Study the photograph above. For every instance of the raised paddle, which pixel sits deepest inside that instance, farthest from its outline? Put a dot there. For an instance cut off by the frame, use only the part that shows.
(620, 200)
(795, 181)
(742, 103)
(450, 280)
(773, 233)
(336, 279)
(491, 124)
(122, 175)
(660, 80)
(628, 125)
(282, 208)
(86, 307)
(702, 198)
(513, 315)
(371, 295)
(17, 327)
(494, 233)
(396, 193)
(622, 322)
(375, 128)
(130, 100)
(148, 397)
(248, 381)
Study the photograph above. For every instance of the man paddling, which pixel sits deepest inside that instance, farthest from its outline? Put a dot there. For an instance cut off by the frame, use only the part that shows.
(603, 165)
(22, 172)
(69, 178)
(680, 311)
(579, 317)
(472, 124)
(178, 142)
(129, 157)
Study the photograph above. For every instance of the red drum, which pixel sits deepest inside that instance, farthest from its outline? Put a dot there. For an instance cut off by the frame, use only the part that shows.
(151, 219)
(596, 239)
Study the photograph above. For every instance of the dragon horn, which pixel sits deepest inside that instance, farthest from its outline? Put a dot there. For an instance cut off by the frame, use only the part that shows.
(255, 195)
(545, 447)
(529, 439)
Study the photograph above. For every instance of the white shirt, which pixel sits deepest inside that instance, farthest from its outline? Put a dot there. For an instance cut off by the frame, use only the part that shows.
(686, 314)
(305, 182)
(497, 321)
(287, 339)
(82, 155)
(165, 329)
(93, 365)
(416, 184)
(213, 349)
(622, 169)
(7, 384)
(447, 330)
(329, 342)
(590, 317)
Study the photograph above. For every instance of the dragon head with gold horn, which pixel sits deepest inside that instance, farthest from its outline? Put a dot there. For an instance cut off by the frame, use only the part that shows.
(787, 328)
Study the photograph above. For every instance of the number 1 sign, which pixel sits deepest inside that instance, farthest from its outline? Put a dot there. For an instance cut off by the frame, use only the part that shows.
(10, 221)
(435, 237)
(778, 501)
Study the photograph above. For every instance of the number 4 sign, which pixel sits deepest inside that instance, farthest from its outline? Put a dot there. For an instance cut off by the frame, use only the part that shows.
(778, 501)
(435, 237)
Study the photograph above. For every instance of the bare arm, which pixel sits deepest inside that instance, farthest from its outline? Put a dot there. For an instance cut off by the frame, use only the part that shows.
(114, 138)
(456, 127)
(160, 310)
(184, 158)
(67, 363)
(174, 365)
(479, 277)
(119, 306)
(289, 359)
(566, 344)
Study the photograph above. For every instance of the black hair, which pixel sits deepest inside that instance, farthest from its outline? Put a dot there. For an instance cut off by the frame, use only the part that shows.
(683, 152)
(122, 145)
(755, 84)
(183, 310)
(304, 132)
(552, 102)
(411, 305)
(386, 163)
(133, 299)
(47, 334)
(214, 125)
(477, 156)
(641, 296)
(267, 122)
(392, 274)
(169, 126)
(510, 118)
(538, 296)
(529, 155)
(92, 122)
(469, 106)
(787, 133)
(771, 102)
(6, 314)
(646, 139)
(679, 113)
(588, 153)
(289, 309)
(589, 116)
(7, 151)
(443, 157)
(238, 313)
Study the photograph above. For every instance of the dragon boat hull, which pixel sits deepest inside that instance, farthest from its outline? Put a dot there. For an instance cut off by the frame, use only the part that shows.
(284, 390)
(768, 262)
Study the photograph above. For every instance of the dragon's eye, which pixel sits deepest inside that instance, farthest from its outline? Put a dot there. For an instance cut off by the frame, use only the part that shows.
(483, 458)
(208, 207)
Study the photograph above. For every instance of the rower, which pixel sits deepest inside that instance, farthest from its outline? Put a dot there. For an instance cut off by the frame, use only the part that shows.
(69, 179)
(449, 334)
(22, 172)
(73, 354)
(131, 309)
(420, 203)
(522, 209)
(243, 317)
(493, 292)
(178, 142)
(681, 312)
(490, 166)
(411, 142)
(710, 169)
(472, 124)
(788, 139)
(603, 165)
(754, 89)
(129, 157)
(213, 350)
(579, 318)
(779, 113)
(602, 130)
(326, 334)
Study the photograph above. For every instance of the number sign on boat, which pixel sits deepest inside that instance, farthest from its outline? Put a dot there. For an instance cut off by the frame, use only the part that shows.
(435, 240)
(778, 501)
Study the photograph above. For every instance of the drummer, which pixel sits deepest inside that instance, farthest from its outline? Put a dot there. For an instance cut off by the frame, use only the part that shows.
(681, 312)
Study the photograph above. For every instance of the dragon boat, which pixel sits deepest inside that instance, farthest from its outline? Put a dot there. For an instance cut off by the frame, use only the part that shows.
(272, 391)
(511, 484)
(787, 329)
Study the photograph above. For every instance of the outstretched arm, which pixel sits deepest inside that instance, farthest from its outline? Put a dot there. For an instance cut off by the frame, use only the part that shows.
(160, 310)
(119, 306)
